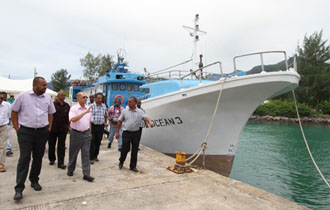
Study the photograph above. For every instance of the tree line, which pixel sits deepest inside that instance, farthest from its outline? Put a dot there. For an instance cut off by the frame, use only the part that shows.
(313, 92)
(94, 66)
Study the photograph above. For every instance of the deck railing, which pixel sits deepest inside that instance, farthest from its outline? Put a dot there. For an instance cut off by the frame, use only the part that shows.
(200, 74)
(200, 71)
(183, 74)
(262, 59)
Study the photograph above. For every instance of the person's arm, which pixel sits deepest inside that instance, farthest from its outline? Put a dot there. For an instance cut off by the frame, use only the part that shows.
(105, 118)
(15, 108)
(50, 121)
(118, 128)
(78, 117)
(67, 119)
(110, 112)
(149, 122)
(14, 120)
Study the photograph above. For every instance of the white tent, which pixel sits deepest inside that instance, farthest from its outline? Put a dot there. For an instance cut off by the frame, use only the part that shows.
(14, 87)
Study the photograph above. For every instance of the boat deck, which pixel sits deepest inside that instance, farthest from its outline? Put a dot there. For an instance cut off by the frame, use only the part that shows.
(154, 187)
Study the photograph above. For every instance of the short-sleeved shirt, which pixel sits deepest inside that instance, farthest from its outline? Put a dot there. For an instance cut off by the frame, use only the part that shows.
(114, 112)
(61, 117)
(99, 112)
(4, 113)
(131, 120)
(33, 110)
(83, 123)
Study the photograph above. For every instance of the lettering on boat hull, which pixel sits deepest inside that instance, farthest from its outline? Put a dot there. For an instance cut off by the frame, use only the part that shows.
(167, 121)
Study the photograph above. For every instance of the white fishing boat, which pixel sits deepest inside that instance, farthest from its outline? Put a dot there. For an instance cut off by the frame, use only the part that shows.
(186, 106)
(182, 108)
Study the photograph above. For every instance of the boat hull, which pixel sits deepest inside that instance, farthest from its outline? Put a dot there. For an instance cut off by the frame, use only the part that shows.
(182, 118)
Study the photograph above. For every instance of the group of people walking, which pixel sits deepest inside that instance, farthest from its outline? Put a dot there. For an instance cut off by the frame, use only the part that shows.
(37, 119)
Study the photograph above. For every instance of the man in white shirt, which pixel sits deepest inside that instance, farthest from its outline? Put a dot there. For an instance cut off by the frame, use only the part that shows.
(4, 120)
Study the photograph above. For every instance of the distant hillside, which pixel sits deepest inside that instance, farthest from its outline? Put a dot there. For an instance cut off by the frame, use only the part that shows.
(270, 68)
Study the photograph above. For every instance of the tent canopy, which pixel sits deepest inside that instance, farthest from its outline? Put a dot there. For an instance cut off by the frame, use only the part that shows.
(12, 86)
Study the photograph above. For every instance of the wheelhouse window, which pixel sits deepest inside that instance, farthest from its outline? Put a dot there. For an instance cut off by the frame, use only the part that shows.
(114, 86)
(147, 90)
(142, 89)
(122, 86)
(129, 86)
(136, 88)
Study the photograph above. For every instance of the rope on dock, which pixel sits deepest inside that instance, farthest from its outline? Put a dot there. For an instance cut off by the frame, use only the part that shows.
(203, 146)
(307, 146)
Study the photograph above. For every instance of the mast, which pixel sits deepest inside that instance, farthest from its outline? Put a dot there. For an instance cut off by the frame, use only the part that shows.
(195, 32)
(35, 73)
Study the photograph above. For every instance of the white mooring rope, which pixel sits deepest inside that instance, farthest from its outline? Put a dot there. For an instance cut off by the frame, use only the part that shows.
(303, 134)
(204, 142)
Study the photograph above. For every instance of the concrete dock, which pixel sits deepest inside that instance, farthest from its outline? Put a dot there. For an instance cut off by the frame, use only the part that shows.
(154, 187)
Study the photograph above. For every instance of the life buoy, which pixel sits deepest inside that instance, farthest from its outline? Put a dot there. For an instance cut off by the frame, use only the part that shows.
(121, 97)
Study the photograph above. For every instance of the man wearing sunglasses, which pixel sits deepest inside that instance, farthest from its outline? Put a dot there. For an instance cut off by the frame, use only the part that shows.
(80, 118)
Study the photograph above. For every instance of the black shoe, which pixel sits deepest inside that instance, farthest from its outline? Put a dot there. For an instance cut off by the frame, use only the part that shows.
(109, 146)
(51, 163)
(96, 159)
(120, 165)
(36, 186)
(70, 173)
(88, 178)
(134, 169)
(62, 166)
(9, 153)
(18, 196)
(91, 162)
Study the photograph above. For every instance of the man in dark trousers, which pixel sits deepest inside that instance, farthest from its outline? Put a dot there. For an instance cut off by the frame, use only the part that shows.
(99, 120)
(32, 118)
(131, 120)
(59, 130)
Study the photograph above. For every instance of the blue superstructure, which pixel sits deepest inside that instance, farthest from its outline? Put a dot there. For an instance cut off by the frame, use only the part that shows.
(171, 85)
(117, 82)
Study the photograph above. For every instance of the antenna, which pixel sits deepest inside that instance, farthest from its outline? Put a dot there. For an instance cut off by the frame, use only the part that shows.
(121, 53)
(195, 32)
(35, 73)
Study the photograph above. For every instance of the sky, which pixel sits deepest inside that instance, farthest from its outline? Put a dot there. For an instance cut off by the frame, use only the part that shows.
(50, 35)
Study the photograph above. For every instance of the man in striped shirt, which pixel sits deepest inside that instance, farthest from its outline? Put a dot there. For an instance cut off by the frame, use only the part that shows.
(99, 120)
(130, 120)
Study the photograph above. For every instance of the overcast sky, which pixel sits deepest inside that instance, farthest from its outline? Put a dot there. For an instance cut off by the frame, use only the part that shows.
(51, 35)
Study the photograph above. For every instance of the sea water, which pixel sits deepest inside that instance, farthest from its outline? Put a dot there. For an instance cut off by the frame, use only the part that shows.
(273, 157)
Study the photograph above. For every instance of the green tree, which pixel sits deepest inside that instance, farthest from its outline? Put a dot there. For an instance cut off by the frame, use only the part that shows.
(95, 66)
(314, 70)
(60, 80)
(106, 63)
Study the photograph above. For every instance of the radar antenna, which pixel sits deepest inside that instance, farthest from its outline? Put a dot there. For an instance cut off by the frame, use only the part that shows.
(195, 33)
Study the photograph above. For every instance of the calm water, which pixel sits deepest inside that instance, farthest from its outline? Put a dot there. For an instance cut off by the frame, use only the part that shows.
(273, 157)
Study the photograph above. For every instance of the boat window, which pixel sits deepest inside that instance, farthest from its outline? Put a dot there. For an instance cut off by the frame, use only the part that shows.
(142, 89)
(147, 90)
(122, 86)
(114, 86)
(129, 86)
(136, 87)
